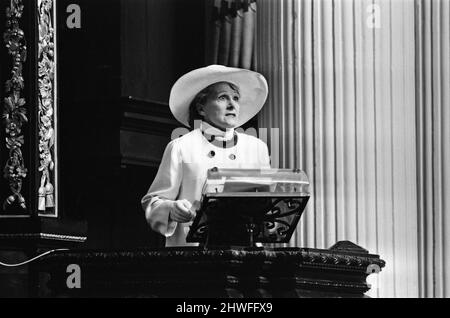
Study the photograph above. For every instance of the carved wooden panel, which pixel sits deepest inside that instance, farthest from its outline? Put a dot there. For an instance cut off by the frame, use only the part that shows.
(14, 113)
(46, 107)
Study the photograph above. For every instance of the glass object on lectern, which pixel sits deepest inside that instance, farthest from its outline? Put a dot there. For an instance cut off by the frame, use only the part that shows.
(244, 206)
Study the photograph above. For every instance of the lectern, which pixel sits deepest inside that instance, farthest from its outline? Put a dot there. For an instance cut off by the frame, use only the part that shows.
(241, 207)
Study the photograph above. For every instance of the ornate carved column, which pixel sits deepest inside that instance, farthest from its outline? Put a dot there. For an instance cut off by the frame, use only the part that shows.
(14, 112)
(46, 107)
(29, 208)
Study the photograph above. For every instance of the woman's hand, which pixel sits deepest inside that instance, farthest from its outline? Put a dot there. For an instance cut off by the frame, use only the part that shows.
(180, 211)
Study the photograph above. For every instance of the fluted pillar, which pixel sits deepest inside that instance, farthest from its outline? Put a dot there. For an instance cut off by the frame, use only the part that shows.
(433, 145)
(342, 94)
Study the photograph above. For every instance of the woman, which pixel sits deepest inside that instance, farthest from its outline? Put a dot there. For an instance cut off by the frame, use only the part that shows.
(223, 98)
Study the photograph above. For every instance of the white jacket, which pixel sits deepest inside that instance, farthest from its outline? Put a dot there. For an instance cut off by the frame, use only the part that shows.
(183, 171)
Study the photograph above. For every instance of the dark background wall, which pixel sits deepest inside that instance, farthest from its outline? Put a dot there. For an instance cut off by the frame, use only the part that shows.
(161, 40)
(89, 117)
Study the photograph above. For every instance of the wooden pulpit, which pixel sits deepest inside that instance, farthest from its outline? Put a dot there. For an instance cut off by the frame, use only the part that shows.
(239, 209)
(192, 272)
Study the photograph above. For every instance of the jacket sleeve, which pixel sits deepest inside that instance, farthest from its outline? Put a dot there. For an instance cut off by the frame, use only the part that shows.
(263, 154)
(164, 189)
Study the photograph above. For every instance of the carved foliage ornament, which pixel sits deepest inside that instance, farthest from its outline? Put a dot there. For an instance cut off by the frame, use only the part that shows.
(46, 77)
(14, 112)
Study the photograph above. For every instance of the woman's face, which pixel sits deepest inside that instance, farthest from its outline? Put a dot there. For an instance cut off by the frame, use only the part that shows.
(221, 108)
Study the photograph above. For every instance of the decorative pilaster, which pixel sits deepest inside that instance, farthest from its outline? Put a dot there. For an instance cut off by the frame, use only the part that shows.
(432, 37)
(14, 113)
(35, 222)
(46, 85)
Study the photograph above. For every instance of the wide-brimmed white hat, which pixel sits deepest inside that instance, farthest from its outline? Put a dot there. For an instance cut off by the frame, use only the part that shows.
(252, 87)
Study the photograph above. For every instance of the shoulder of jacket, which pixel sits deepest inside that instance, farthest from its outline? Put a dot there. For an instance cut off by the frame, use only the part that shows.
(187, 138)
(251, 139)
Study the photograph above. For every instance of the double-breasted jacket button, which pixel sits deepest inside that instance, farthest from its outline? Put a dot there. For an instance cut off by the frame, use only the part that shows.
(232, 156)
(211, 154)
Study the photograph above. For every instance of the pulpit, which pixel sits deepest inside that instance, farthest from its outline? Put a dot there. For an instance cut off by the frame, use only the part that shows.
(191, 272)
(240, 210)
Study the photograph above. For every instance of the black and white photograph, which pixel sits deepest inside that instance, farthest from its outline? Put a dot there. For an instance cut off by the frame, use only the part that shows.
(224, 153)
